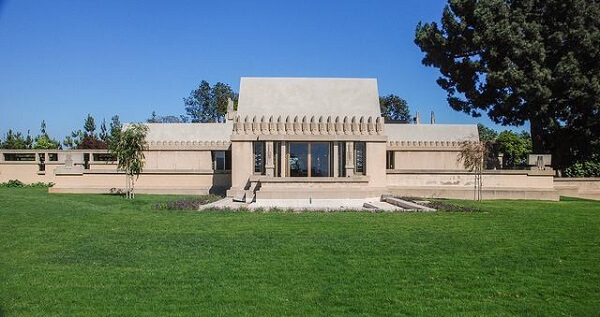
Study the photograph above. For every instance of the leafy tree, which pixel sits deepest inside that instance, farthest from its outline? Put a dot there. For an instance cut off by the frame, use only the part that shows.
(589, 168)
(28, 141)
(486, 134)
(115, 132)
(103, 132)
(14, 141)
(208, 104)
(129, 151)
(518, 61)
(515, 148)
(86, 139)
(394, 108)
(73, 141)
(43, 141)
(89, 126)
(472, 155)
(92, 142)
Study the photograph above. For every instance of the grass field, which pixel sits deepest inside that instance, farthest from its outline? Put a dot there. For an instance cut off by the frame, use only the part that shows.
(100, 254)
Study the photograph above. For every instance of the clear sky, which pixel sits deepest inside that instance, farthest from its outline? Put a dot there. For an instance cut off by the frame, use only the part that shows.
(60, 60)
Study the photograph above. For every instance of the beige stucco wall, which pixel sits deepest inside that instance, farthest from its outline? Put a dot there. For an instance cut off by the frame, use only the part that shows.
(498, 179)
(26, 172)
(179, 160)
(148, 182)
(588, 188)
(242, 159)
(460, 185)
(376, 164)
(427, 160)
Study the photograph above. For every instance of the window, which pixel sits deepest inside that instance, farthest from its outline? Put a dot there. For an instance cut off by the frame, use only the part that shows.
(42, 164)
(30, 157)
(389, 160)
(218, 159)
(309, 159)
(277, 158)
(53, 157)
(259, 158)
(298, 161)
(342, 159)
(86, 161)
(360, 157)
(104, 157)
(319, 159)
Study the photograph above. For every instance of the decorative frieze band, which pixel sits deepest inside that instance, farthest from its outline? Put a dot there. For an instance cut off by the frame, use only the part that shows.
(427, 143)
(308, 125)
(189, 145)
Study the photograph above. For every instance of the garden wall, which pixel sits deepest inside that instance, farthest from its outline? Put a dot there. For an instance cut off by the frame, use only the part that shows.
(588, 188)
(496, 184)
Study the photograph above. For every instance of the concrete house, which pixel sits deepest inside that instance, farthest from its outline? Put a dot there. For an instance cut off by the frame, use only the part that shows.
(291, 138)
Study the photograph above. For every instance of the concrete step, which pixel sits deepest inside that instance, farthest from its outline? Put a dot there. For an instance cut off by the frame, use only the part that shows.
(250, 196)
(381, 205)
(408, 205)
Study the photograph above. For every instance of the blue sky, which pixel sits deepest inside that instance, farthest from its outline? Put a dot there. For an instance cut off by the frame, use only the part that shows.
(60, 60)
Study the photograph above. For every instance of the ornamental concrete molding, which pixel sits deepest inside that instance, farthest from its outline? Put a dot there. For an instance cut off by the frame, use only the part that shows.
(426, 145)
(189, 145)
(308, 125)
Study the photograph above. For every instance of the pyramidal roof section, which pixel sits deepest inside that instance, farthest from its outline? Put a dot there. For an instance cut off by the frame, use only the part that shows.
(308, 97)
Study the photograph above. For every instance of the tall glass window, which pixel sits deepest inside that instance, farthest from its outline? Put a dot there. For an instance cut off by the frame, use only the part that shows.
(298, 162)
(277, 158)
(342, 159)
(319, 159)
(219, 162)
(259, 157)
(360, 157)
(309, 159)
(389, 160)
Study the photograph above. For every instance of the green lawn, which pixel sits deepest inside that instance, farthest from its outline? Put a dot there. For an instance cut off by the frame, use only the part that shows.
(100, 254)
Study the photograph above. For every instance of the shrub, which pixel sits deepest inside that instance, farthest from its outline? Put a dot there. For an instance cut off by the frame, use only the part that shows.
(583, 169)
(15, 183)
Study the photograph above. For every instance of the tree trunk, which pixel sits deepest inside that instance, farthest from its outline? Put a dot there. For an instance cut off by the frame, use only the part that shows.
(537, 136)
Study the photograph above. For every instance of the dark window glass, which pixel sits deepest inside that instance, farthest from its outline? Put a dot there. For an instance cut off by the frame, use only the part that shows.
(389, 160)
(228, 160)
(319, 159)
(342, 159)
(53, 157)
(219, 160)
(104, 157)
(298, 159)
(42, 160)
(277, 158)
(259, 157)
(360, 153)
(86, 161)
(19, 157)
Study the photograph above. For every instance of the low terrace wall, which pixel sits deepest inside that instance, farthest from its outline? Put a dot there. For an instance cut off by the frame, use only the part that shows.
(588, 188)
(459, 184)
(196, 182)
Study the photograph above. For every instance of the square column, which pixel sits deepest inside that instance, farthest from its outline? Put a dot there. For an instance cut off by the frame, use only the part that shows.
(336, 154)
(283, 165)
(349, 159)
(269, 163)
